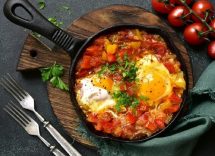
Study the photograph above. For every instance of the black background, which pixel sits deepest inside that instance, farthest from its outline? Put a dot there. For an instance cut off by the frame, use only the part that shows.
(14, 141)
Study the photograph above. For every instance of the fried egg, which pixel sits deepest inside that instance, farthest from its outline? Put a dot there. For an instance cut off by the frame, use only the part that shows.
(94, 94)
(154, 80)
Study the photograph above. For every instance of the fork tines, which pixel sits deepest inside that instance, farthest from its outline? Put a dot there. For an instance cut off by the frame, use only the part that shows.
(17, 113)
(12, 87)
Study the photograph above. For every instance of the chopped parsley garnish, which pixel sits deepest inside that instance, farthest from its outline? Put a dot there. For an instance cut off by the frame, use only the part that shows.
(126, 68)
(41, 4)
(53, 74)
(55, 22)
(123, 99)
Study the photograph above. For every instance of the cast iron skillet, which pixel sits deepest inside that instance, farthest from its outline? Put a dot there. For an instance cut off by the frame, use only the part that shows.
(75, 48)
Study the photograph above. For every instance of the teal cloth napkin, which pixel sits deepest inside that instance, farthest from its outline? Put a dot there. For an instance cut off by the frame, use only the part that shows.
(182, 138)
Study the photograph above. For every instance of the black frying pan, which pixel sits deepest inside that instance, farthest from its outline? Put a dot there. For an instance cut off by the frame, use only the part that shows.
(75, 48)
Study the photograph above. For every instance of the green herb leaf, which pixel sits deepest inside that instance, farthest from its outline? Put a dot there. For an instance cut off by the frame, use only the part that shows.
(66, 8)
(144, 98)
(41, 4)
(57, 70)
(122, 99)
(55, 22)
(135, 103)
(103, 70)
(53, 74)
(62, 85)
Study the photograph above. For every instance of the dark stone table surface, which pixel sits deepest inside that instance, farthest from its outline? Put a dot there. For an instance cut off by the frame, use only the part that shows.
(13, 139)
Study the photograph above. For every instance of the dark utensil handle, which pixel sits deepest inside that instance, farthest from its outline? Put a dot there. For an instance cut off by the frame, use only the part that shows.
(38, 23)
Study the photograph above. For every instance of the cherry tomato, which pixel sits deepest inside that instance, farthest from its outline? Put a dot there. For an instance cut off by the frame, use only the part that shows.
(161, 6)
(211, 49)
(175, 17)
(212, 24)
(200, 8)
(191, 33)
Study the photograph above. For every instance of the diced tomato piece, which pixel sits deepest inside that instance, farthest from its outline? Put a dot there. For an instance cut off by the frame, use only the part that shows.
(85, 63)
(159, 49)
(175, 99)
(94, 50)
(160, 123)
(98, 126)
(130, 91)
(143, 107)
(111, 58)
(151, 126)
(100, 41)
(116, 122)
(162, 116)
(106, 116)
(122, 53)
(131, 118)
(128, 130)
(170, 67)
(172, 109)
(92, 118)
(95, 61)
(118, 131)
(129, 52)
(129, 84)
(82, 73)
(107, 127)
(143, 119)
(117, 77)
(122, 87)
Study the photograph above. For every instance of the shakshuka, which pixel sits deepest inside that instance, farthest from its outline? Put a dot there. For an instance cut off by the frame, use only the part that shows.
(129, 84)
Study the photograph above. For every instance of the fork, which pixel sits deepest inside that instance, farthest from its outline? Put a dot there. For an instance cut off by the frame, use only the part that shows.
(31, 126)
(27, 102)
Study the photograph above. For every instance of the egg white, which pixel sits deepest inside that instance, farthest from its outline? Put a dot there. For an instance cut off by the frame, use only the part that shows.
(92, 97)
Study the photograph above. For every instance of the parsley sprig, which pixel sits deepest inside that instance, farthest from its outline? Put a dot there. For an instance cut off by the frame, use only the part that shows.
(53, 74)
(55, 21)
(41, 4)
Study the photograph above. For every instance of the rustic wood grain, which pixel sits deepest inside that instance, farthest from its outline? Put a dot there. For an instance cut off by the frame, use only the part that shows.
(84, 27)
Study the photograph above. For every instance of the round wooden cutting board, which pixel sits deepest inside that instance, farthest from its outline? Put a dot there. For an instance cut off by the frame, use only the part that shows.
(35, 55)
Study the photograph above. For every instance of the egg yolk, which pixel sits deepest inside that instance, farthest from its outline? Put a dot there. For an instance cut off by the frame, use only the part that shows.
(154, 85)
(103, 82)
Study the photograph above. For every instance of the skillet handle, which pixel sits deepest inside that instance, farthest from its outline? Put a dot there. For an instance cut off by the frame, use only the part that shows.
(38, 23)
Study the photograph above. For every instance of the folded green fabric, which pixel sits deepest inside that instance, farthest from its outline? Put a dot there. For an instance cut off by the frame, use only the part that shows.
(182, 138)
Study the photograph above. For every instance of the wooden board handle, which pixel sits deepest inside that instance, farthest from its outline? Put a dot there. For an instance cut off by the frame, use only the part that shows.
(35, 55)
